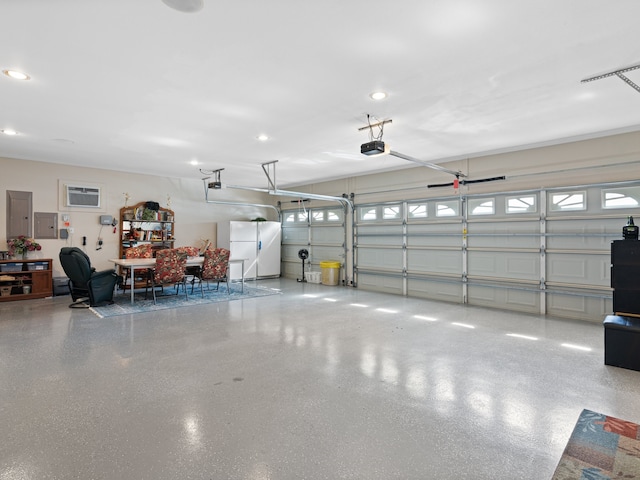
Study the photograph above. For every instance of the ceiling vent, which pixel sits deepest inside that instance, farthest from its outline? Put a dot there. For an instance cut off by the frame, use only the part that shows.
(77, 196)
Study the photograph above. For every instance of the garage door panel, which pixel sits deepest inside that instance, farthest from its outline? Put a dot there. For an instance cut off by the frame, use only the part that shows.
(434, 235)
(385, 258)
(295, 235)
(578, 307)
(519, 300)
(440, 241)
(519, 234)
(581, 269)
(291, 269)
(327, 235)
(435, 290)
(585, 234)
(379, 283)
(434, 261)
(515, 265)
(326, 254)
(380, 235)
(290, 252)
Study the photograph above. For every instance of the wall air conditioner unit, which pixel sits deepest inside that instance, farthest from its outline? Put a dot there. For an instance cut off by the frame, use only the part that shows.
(82, 196)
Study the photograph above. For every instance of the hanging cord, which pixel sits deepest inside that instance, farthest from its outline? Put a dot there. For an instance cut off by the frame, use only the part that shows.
(301, 204)
(380, 126)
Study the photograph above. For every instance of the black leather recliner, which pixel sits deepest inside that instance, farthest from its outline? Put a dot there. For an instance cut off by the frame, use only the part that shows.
(84, 281)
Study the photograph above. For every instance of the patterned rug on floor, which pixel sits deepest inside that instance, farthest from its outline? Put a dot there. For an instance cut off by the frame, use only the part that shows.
(601, 448)
(122, 302)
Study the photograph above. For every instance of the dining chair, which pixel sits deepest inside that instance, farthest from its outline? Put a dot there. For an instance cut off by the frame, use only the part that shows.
(169, 270)
(215, 267)
(190, 251)
(140, 251)
(192, 271)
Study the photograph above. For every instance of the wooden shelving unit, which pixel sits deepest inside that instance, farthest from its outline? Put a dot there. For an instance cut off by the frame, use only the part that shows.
(140, 225)
(30, 275)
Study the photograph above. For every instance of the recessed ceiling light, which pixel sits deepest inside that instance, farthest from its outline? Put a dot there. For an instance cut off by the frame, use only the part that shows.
(16, 75)
(263, 138)
(194, 162)
(186, 6)
(8, 131)
(378, 95)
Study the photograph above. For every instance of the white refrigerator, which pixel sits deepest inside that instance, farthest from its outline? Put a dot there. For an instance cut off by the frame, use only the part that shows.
(258, 243)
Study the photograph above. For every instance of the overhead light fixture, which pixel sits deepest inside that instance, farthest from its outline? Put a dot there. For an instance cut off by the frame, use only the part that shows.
(262, 137)
(378, 95)
(16, 75)
(9, 131)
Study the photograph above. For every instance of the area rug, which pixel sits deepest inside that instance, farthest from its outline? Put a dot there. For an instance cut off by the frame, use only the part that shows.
(601, 448)
(122, 302)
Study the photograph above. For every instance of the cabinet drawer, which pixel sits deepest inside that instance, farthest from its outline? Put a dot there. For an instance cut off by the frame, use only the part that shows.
(625, 276)
(625, 252)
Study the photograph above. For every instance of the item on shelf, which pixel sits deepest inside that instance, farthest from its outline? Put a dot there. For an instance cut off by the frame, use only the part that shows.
(38, 266)
(11, 267)
(18, 247)
(630, 230)
(148, 214)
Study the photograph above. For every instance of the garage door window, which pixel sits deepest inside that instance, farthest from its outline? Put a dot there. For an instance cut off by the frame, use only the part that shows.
(625, 197)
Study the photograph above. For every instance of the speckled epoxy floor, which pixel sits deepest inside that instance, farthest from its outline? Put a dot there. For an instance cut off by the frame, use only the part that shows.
(318, 383)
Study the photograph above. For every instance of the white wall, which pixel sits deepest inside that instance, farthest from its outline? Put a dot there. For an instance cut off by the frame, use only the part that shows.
(606, 159)
(195, 219)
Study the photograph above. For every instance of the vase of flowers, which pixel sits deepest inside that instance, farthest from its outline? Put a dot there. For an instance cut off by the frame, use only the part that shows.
(20, 246)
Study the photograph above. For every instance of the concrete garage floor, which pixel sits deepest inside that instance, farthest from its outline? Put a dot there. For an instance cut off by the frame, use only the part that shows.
(317, 383)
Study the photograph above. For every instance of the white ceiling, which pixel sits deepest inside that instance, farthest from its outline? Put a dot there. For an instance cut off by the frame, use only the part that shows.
(134, 85)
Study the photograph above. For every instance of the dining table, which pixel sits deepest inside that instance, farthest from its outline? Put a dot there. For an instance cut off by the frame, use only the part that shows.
(134, 264)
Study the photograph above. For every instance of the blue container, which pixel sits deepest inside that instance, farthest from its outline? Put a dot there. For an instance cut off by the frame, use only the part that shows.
(11, 267)
(38, 266)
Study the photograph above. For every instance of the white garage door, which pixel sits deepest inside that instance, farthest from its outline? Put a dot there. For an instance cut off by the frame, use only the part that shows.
(320, 231)
(539, 251)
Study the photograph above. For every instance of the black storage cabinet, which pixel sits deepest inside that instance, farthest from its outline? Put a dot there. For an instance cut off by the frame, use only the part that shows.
(625, 277)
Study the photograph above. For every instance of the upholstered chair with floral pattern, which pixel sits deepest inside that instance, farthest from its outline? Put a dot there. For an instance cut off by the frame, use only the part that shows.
(215, 267)
(190, 251)
(193, 271)
(169, 270)
(139, 251)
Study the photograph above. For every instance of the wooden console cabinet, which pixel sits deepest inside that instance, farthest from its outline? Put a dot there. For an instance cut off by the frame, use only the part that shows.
(32, 278)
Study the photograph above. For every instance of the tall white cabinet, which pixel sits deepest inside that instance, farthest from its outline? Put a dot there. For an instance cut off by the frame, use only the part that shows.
(259, 244)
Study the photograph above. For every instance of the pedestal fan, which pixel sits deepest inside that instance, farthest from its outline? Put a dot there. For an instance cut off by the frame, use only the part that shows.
(303, 254)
